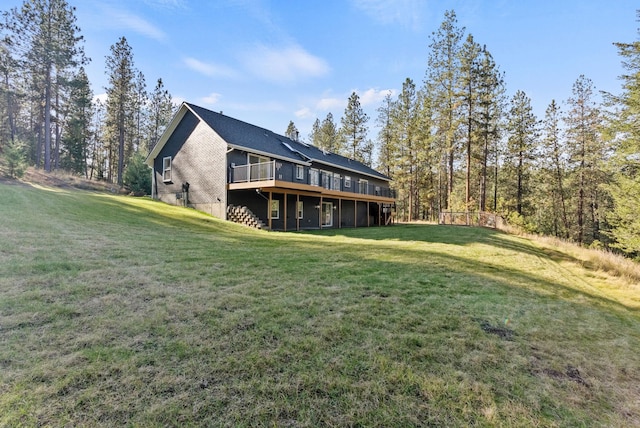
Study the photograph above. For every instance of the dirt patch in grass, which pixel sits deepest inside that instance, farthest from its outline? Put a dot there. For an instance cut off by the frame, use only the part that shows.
(502, 332)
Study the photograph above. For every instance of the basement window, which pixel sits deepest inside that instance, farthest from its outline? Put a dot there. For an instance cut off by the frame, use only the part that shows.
(275, 209)
(166, 169)
(300, 210)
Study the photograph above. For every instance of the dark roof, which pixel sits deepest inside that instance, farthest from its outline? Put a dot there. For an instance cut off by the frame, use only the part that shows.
(240, 134)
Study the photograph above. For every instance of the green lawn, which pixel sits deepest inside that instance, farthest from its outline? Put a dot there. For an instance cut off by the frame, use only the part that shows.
(121, 311)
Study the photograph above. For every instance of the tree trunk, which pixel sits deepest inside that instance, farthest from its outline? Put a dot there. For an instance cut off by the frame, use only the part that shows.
(47, 121)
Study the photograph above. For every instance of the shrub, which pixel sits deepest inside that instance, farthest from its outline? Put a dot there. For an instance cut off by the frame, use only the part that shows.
(137, 176)
(16, 158)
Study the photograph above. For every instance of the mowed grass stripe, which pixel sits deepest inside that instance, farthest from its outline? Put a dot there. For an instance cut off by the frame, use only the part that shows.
(125, 311)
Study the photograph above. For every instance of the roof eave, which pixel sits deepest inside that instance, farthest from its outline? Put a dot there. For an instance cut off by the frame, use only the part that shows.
(175, 121)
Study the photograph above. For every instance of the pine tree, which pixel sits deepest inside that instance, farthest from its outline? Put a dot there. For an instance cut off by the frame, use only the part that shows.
(522, 139)
(553, 164)
(623, 124)
(140, 115)
(489, 122)
(46, 32)
(15, 158)
(442, 86)
(405, 120)
(586, 154)
(314, 135)
(292, 131)
(97, 158)
(353, 131)
(386, 149)
(327, 136)
(77, 135)
(469, 94)
(9, 90)
(160, 113)
(120, 105)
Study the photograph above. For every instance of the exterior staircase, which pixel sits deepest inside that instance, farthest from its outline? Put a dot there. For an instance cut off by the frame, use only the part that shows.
(243, 215)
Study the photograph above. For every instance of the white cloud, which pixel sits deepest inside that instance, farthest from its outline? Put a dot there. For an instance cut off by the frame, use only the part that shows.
(211, 99)
(123, 19)
(283, 65)
(304, 113)
(328, 104)
(166, 4)
(374, 96)
(211, 70)
(406, 13)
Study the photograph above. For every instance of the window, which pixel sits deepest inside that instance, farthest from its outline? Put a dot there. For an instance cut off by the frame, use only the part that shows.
(364, 184)
(347, 181)
(300, 210)
(275, 209)
(326, 180)
(260, 168)
(253, 159)
(166, 168)
(299, 172)
(313, 177)
(336, 182)
(327, 214)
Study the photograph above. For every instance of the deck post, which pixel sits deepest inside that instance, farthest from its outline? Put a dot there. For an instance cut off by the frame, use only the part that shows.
(269, 211)
(297, 216)
(320, 213)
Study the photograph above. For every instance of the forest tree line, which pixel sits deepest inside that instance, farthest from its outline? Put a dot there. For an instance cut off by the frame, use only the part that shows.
(457, 143)
(453, 142)
(48, 115)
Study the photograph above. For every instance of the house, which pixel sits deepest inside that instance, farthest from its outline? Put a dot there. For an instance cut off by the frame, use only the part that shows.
(238, 171)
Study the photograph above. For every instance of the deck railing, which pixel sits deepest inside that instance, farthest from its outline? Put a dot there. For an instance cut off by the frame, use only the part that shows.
(267, 171)
(253, 172)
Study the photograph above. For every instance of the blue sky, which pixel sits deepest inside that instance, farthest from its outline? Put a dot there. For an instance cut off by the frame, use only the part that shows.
(267, 62)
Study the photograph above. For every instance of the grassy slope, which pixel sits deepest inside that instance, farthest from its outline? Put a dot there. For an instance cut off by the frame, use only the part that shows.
(116, 310)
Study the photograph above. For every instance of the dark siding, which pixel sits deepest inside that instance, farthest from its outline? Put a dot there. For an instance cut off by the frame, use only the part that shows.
(198, 157)
(252, 200)
(348, 213)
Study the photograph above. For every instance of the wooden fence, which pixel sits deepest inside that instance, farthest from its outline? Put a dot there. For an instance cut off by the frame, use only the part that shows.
(472, 218)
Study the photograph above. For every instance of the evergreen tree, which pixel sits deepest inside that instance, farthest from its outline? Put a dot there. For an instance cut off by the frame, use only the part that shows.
(405, 121)
(442, 87)
(15, 158)
(552, 199)
(46, 32)
(140, 115)
(78, 127)
(353, 131)
(9, 91)
(160, 113)
(489, 121)
(314, 136)
(586, 154)
(623, 124)
(521, 143)
(386, 149)
(327, 137)
(292, 131)
(137, 176)
(120, 105)
(469, 94)
(97, 158)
